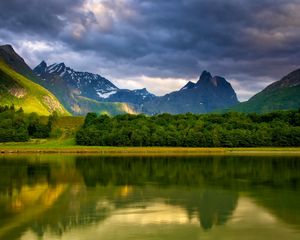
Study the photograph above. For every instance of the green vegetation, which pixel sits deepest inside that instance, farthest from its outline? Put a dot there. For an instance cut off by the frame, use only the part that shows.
(177, 132)
(268, 101)
(65, 127)
(108, 108)
(16, 126)
(22, 92)
(190, 130)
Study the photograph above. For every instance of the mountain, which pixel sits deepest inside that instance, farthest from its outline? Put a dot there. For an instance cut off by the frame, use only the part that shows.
(87, 84)
(208, 94)
(281, 95)
(17, 89)
(72, 86)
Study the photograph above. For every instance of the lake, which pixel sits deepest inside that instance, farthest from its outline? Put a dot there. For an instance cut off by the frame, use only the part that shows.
(106, 197)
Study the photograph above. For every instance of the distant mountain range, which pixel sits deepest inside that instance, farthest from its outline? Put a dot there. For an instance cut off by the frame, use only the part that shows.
(208, 94)
(81, 92)
(71, 87)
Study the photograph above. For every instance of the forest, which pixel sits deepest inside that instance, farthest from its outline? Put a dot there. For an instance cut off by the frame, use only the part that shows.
(16, 126)
(278, 129)
(281, 128)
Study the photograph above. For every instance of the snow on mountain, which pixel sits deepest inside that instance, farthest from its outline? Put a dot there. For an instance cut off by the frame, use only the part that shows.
(91, 85)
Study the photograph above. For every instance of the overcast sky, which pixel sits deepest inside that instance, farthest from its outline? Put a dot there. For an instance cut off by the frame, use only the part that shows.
(159, 44)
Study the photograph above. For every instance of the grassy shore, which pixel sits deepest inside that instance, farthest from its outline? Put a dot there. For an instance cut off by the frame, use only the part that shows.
(68, 146)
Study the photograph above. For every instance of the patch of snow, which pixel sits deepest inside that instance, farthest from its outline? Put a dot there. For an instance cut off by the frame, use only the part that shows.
(106, 95)
(51, 68)
(62, 73)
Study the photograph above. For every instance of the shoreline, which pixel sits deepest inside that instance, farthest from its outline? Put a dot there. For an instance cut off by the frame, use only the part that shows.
(31, 148)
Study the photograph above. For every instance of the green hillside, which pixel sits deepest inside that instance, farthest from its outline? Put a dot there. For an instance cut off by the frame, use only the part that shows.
(20, 91)
(268, 101)
(109, 108)
(280, 95)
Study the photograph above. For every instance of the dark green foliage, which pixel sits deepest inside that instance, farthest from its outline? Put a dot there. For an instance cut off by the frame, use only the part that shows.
(15, 126)
(267, 101)
(191, 130)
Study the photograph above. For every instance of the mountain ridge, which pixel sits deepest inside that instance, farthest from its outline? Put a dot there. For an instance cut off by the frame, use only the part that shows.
(206, 95)
(17, 90)
(18, 68)
(280, 95)
(81, 92)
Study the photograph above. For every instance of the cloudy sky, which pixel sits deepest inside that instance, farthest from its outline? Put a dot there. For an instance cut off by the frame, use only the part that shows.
(159, 44)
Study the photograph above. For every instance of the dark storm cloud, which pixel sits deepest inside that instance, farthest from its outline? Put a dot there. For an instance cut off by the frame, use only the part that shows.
(248, 40)
(36, 16)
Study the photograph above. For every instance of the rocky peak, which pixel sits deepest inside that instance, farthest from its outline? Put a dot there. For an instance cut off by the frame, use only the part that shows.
(8, 48)
(142, 90)
(205, 77)
(290, 80)
(41, 68)
(56, 68)
(8, 54)
(207, 81)
(189, 85)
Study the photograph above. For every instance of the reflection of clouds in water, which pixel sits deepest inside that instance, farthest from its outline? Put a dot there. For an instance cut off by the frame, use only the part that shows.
(164, 221)
(251, 221)
(154, 213)
(103, 198)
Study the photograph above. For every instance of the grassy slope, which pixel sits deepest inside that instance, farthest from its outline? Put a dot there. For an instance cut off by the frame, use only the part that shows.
(33, 101)
(115, 108)
(268, 101)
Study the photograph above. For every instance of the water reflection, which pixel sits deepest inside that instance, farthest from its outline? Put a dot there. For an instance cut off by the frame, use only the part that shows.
(91, 197)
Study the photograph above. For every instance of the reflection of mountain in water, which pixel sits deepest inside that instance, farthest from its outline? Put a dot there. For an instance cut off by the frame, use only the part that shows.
(46, 195)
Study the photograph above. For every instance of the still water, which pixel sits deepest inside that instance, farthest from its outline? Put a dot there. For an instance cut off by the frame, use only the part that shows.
(96, 197)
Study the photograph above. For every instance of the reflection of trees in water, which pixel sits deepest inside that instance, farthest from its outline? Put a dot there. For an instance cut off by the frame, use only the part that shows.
(212, 207)
(190, 171)
(16, 173)
(207, 187)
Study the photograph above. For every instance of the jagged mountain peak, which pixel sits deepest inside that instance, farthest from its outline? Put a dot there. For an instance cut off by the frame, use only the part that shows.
(205, 76)
(207, 80)
(189, 85)
(41, 67)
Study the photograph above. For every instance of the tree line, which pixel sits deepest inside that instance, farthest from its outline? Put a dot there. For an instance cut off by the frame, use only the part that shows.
(16, 126)
(233, 129)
